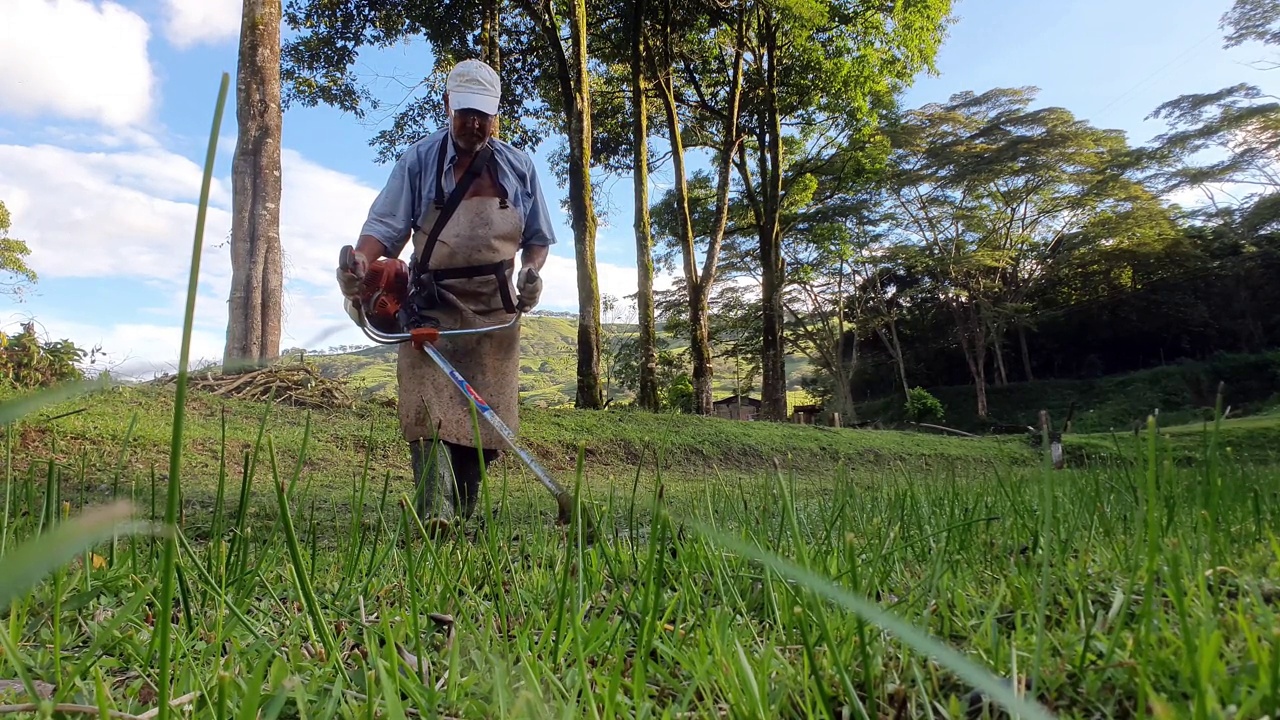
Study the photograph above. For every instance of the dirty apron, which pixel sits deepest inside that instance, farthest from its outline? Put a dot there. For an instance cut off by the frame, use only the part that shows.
(482, 230)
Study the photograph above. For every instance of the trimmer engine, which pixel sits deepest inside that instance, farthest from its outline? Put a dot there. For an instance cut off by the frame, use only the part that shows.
(383, 291)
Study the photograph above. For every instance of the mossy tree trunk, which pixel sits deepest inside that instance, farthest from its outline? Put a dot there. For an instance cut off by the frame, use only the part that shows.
(647, 397)
(573, 77)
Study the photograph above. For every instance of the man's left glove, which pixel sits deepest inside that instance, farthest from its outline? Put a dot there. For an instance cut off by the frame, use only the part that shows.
(529, 288)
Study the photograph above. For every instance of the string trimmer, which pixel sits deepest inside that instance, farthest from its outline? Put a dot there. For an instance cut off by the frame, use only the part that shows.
(383, 276)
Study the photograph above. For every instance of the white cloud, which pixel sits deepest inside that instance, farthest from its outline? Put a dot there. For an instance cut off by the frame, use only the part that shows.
(128, 214)
(320, 211)
(192, 22)
(76, 59)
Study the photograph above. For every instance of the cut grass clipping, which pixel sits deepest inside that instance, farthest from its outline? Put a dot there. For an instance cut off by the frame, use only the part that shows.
(1122, 590)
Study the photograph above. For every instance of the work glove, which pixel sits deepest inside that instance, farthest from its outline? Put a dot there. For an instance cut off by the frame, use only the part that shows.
(349, 277)
(353, 311)
(529, 288)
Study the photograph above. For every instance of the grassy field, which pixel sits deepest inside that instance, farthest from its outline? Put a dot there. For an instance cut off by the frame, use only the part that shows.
(720, 584)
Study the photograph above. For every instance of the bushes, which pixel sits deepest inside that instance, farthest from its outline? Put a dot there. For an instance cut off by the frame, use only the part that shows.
(27, 362)
(923, 407)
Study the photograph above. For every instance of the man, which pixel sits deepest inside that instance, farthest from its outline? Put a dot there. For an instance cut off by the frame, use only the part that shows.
(461, 277)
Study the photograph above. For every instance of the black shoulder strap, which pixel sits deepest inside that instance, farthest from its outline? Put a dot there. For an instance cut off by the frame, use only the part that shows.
(455, 198)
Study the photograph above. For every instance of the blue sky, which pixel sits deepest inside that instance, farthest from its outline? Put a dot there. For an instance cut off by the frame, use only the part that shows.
(105, 109)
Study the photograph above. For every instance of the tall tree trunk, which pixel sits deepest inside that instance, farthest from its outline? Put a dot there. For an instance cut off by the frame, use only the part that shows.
(973, 342)
(490, 36)
(895, 349)
(699, 284)
(590, 394)
(572, 76)
(257, 274)
(772, 356)
(648, 395)
(997, 347)
(1026, 355)
(845, 370)
(699, 327)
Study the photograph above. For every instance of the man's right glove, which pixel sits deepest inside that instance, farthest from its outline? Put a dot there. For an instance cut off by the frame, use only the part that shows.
(351, 270)
(529, 288)
(351, 273)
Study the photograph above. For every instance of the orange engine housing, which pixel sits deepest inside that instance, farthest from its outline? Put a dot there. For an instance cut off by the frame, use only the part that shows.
(384, 289)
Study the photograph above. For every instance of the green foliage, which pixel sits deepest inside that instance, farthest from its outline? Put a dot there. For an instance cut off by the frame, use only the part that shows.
(1241, 126)
(679, 394)
(319, 65)
(26, 361)
(13, 254)
(923, 407)
(1256, 20)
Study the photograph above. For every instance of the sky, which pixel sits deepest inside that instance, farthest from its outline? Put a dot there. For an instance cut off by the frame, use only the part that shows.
(106, 108)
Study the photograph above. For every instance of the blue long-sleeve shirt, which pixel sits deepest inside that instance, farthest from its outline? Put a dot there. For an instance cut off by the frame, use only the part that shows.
(413, 183)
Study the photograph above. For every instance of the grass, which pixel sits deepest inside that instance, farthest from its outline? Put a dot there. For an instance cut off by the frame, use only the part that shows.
(872, 575)
(1099, 591)
(1254, 440)
(1182, 392)
(614, 442)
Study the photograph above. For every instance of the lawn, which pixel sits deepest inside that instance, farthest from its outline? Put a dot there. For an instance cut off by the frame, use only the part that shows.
(720, 584)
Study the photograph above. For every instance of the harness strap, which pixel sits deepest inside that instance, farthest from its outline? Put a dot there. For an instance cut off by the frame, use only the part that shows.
(497, 269)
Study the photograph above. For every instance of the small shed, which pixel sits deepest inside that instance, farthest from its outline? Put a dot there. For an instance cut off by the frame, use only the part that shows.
(730, 409)
(805, 414)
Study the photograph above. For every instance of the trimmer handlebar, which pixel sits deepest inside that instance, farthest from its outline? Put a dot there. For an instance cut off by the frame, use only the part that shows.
(346, 259)
(430, 334)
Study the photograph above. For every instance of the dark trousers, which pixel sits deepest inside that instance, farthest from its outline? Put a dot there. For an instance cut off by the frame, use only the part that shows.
(466, 471)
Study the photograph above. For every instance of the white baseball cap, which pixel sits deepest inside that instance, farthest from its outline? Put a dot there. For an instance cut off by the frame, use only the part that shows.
(473, 84)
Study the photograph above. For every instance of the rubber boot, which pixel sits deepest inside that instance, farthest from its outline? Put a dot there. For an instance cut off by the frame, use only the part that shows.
(470, 471)
(433, 481)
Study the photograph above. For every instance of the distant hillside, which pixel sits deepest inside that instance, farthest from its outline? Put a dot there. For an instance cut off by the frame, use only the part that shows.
(548, 367)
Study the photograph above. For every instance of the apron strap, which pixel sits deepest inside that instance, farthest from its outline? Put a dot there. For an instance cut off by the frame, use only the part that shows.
(498, 270)
(455, 198)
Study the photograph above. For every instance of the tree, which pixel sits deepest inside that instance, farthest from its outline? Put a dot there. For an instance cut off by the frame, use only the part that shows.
(1257, 20)
(707, 45)
(13, 253)
(817, 71)
(537, 63)
(1238, 125)
(647, 396)
(257, 275)
(993, 196)
(821, 301)
(1241, 126)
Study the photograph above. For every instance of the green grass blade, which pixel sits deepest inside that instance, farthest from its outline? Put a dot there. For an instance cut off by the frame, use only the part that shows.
(167, 570)
(22, 568)
(980, 678)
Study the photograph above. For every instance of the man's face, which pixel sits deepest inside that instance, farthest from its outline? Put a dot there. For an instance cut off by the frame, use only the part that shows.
(471, 128)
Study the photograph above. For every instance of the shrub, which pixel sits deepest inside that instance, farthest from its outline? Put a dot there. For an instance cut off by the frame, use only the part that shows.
(28, 362)
(680, 394)
(922, 406)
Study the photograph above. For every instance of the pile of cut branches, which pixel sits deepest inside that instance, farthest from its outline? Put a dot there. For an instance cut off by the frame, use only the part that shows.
(297, 384)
